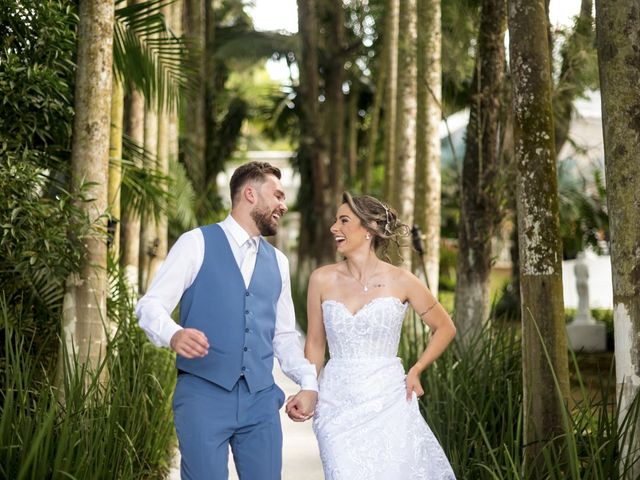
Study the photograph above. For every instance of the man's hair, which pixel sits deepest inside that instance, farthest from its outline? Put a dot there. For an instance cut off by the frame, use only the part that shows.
(250, 172)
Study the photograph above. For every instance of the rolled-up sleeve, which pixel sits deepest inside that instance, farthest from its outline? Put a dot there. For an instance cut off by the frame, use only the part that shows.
(287, 345)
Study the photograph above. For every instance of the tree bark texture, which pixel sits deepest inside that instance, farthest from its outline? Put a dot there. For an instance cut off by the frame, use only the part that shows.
(115, 165)
(481, 196)
(134, 127)
(148, 226)
(334, 108)
(312, 154)
(544, 340)
(407, 102)
(378, 98)
(85, 302)
(618, 44)
(390, 105)
(428, 177)
(195, 119)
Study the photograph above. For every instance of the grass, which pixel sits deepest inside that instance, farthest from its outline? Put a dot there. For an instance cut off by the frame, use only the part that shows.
(473, 403)
(88, 425)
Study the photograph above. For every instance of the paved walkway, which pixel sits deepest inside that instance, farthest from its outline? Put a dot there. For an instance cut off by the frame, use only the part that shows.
(300, 457)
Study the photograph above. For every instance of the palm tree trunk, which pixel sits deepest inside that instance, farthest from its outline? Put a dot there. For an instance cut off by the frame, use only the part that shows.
(115, 165)
(213, 166)
(312, 153)
(391, 107)
(378, 98)
(619, 65)
(134, 127)
(334, 113)
(428, 178)
(481, 196)
(195, 120)
(148, 227)
(544, 343)
(85, 302)
(407, 101)
(352, 151)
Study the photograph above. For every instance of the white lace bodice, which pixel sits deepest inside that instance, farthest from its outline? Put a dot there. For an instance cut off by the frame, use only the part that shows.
(370, 332)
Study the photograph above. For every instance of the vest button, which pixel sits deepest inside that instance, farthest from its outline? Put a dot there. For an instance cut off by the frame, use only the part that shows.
(246, 312)
(243, 368)
(246, 330)
(245, 349)
(247, 294)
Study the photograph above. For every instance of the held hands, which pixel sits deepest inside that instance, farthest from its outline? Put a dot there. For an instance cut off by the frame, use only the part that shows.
(413, 383)
(189, 343)
(301, 406)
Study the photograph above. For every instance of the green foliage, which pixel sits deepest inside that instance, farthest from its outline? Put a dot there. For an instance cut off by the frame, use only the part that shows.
(37, 46)
(87, 424)
(473, 403)
(40, 242)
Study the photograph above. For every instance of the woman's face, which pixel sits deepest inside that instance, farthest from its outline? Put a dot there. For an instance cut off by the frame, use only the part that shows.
(348, 231)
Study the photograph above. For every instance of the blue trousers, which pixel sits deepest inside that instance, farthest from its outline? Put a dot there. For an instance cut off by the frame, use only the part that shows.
(209, 418)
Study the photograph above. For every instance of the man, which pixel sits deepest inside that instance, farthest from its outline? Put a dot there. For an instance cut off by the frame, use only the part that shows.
(236, 313)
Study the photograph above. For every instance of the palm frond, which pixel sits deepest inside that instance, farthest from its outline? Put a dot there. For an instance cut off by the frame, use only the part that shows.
(240, 44)
(145, 191)
(148, 56)
(182, 216)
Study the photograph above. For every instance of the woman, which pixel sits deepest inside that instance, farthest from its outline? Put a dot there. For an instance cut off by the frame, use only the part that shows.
(367, 420)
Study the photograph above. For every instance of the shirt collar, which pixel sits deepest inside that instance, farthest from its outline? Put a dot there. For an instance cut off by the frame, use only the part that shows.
(239, 234)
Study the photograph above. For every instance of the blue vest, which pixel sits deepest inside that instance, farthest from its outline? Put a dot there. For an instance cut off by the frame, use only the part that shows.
(239, 322)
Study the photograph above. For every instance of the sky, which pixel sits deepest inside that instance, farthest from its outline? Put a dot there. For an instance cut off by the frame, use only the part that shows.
(283, 15)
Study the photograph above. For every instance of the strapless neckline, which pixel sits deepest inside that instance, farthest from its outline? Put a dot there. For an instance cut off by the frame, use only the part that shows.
(366, 305)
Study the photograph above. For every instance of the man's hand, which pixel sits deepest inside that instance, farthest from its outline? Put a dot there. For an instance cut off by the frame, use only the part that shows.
(301, 406)
(189, 343)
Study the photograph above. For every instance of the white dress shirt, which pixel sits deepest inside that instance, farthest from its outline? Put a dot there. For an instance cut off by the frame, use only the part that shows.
(178, 272)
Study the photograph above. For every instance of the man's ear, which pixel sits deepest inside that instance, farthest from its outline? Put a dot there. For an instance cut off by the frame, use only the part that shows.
(249, 193)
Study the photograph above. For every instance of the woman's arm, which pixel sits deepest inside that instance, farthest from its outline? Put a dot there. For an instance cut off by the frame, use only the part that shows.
(443, 331)
(315, 345)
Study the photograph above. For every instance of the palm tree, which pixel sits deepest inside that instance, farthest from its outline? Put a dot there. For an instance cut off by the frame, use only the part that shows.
(619, 71)
(428, 177)
(85, 306)
(544, 343)
(391, 93)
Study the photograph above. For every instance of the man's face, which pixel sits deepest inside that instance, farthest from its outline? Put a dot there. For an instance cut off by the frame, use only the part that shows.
(269, 207)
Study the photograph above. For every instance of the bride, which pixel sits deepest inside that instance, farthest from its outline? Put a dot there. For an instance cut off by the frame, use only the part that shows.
(367, 419)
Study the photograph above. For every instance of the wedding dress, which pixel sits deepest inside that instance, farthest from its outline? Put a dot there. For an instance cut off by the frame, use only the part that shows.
(365, 427)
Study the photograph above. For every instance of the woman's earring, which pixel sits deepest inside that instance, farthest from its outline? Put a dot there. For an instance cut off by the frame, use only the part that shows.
(368, 237)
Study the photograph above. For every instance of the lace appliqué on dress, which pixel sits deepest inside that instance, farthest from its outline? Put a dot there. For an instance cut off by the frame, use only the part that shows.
(365, 427)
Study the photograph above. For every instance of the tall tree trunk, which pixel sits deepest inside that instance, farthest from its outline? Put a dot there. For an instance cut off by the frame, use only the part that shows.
(174, 127)
(134, 127)
(312, 153)
(407, 101)
(574, 63)
(195, 118)
(543, 326)
(148, 226)
(352, 151)
(334, 113)
(428, 178)
(85, 302)
(619, 64)
(213, 166)
(115, 165)
(378, 98)
(391, 93)
(480, 193)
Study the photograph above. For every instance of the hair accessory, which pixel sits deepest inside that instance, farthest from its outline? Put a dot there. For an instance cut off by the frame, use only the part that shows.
(387, 228)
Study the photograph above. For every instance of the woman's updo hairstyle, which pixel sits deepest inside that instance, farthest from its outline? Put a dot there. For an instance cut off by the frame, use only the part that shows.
(377, 217)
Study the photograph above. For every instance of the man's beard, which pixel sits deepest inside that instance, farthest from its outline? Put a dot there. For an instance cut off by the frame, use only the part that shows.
(266, 224)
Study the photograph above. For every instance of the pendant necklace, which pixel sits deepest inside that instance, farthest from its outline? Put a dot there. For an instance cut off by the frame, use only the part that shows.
(365, 288)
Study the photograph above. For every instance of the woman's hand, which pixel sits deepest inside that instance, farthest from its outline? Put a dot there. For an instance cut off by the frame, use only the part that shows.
(413, 383)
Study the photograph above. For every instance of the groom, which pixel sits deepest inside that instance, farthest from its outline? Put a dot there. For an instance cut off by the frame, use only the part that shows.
(236, 314)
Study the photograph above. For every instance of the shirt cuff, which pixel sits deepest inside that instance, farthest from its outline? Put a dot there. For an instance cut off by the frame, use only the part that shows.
(168, 331)
(309, 382)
